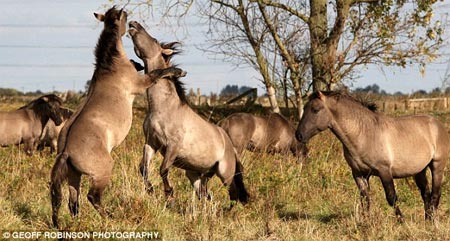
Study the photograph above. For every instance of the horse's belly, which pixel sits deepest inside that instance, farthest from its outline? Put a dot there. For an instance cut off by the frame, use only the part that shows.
(410, 166)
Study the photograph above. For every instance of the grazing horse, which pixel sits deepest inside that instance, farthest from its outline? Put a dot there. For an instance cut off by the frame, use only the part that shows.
(51, 131)
(378, 145)
(185, 139)
(272, 133)
(103, 121)
(25, 125)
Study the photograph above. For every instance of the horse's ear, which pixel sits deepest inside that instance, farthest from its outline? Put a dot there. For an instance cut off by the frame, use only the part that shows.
(321, 95)
(167, 52)
(99, 16)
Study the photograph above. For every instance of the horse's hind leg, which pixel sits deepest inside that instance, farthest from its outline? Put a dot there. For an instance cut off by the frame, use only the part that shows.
(437, 173)
(74, 179)
(144, 166)
(422, 183)
(389, 189)
(99, 181)
(199, 182)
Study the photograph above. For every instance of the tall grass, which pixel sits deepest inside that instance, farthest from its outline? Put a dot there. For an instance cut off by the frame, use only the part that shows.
(317, 200)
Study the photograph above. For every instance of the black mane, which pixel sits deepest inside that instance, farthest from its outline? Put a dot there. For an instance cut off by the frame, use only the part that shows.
(179, 86)
(339, 94)
(106, 48)
(181, 90)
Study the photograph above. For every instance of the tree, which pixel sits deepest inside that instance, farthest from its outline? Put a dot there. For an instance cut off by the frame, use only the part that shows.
(322, 41)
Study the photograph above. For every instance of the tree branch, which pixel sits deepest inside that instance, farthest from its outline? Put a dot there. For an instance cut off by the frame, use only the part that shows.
(289, 9)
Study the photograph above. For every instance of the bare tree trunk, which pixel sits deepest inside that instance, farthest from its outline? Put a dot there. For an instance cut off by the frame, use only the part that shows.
(272, 98)
(298, 100)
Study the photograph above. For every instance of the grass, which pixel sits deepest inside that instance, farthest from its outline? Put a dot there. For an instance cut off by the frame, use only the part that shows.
(289, 201)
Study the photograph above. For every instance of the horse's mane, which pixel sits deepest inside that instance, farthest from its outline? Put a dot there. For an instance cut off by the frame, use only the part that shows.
(179, 86)
(106, 48)
(341, 94)
(38, 105)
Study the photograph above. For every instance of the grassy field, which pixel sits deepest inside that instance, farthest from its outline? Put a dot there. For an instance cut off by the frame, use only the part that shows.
(289, 201)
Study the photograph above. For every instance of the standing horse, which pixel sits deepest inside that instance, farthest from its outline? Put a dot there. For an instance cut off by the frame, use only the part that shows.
(49, 136)
(378, 145)
(273, 134)
(25, 125)
(185, 139)
(103, 120)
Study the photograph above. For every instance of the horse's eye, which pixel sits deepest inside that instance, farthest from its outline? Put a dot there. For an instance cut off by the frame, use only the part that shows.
(315, 110)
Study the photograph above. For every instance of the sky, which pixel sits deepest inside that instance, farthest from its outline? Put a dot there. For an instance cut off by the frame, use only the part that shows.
(48, 45)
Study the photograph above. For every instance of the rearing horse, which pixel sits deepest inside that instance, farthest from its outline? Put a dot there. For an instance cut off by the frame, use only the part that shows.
(378, 145)
(103, 121)
(185, 139)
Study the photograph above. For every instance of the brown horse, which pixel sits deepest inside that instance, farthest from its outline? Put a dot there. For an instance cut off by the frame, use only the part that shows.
(185, 139)
(25, 125)
(103, 121)
(378, 145)
(272, 133)
(49, 136)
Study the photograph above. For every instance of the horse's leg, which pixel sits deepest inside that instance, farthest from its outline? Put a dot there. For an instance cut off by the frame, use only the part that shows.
(389, 189)
(169, 158)
(144, 166)
(99, 181)
(231, 176)
(196, 182)
(29, 147)
(204, 184)
(363, 185)
(422, 183)
(53, 145)
(74, 179)
(437, 173)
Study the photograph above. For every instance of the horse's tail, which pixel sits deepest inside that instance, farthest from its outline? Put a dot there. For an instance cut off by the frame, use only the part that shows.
(238, 180)
(58, 177)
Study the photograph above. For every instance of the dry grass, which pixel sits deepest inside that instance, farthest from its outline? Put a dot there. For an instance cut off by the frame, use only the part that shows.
(316, 201)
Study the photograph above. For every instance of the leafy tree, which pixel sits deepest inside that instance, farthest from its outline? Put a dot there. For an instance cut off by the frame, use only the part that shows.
(318, 42)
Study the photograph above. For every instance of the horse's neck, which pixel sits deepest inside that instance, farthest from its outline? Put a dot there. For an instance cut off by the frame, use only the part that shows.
(41, 119)
(148, 68)
(351, 124)
(161, 101)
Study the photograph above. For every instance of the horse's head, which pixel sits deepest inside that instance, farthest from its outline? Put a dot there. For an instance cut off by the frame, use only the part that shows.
(114, 18)
(147, 48)
(47, 107)
(300, 150)
(317, 117)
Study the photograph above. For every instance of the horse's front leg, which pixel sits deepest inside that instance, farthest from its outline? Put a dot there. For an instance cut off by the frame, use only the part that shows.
(29, 146)
(362, 181)
(169, 158)
(389, 188)
(144, 166)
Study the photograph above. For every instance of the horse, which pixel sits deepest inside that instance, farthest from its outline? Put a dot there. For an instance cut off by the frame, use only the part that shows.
(185, 140)
(272, 133)
(378, 145)
(102, 121)
(25, 125)
(50, 133)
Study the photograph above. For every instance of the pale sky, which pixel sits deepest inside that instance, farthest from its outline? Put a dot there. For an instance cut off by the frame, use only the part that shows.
(48, 45)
